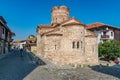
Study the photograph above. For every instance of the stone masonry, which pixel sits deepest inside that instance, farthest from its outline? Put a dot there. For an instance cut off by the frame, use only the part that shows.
(66, 40)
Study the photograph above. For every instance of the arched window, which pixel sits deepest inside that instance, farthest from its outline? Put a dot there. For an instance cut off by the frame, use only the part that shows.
(73, 44)
(77, 44)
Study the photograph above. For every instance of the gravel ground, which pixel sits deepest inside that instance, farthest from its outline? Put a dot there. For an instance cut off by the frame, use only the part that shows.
(48, 72)
(93, 73)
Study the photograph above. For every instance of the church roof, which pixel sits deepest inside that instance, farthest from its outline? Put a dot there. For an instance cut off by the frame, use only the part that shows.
(62, 23)
(45, 26)
(54, 34)
(74, 21)
(90, 34)
(71, 21)
(55, 31)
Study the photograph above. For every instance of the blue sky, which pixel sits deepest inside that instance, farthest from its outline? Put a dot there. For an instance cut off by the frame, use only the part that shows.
(23, 16)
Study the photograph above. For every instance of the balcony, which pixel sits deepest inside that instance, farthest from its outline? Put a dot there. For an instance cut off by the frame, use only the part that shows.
(105, 36)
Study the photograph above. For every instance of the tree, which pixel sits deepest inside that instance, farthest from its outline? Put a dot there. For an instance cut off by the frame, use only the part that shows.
(31, 36)
(109, 49)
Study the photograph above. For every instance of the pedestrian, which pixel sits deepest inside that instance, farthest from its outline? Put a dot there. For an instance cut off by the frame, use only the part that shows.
(21, 50)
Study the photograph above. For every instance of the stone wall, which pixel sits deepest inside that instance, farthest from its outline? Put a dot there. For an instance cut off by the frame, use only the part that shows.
(59, 48)
(91, 50)
(40, 45)
(68, 42)
(72, 33)
(59, 14)
(52, 46)
(65, 54)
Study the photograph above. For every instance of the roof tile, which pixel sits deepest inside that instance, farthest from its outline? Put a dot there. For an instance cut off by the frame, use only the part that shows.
(94, 25)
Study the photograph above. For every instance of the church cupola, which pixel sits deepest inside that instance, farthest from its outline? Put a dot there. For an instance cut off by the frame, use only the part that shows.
(59, 14)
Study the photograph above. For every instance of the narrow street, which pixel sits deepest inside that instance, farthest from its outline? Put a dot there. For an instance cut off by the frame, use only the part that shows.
(15, 67)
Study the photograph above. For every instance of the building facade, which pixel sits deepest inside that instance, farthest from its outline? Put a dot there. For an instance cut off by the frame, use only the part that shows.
(66, 40)
(5, 36)
(31, 43)
(105, 32)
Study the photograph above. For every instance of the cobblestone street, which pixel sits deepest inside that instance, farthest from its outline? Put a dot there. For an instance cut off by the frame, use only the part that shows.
(93, 73)
(15, 67)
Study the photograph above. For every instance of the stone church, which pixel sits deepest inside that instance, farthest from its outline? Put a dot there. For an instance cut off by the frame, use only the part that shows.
(66, 40)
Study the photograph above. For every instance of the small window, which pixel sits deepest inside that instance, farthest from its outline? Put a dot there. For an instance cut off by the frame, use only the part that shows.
(73, 44)
(77, 44)
(81, 44)
(111, 33)
(56, 20)
(55, 47)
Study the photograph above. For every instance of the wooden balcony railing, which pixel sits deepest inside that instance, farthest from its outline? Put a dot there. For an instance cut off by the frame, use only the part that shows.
(104, 36)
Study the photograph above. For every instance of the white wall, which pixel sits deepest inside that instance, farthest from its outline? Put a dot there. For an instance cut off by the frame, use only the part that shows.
(109, 33)
(100, 32)
(99, 35)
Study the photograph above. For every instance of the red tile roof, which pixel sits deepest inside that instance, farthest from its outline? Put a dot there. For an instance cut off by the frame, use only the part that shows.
(44, 26)
(94, 25)
(73, 23)
(54, 34)
(98, 25)
(55, 25)
(71, 19)
(51, 31)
